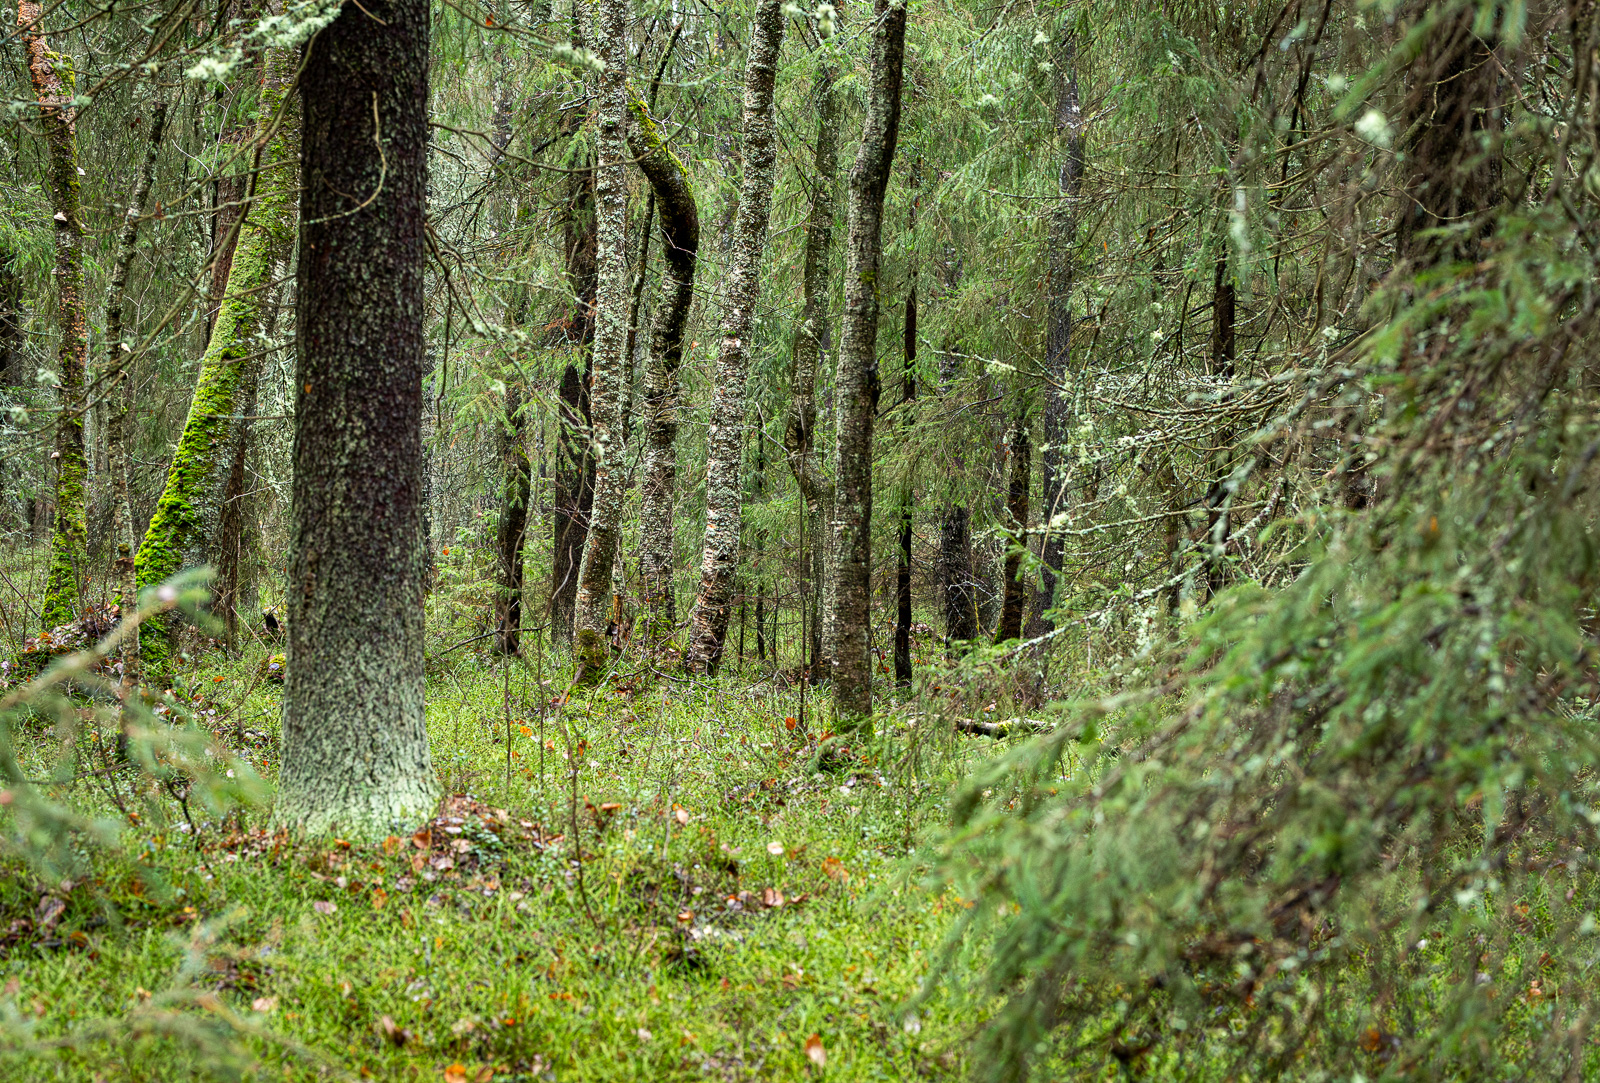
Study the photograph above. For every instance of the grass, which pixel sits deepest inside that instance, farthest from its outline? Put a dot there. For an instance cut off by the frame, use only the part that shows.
(737, 913)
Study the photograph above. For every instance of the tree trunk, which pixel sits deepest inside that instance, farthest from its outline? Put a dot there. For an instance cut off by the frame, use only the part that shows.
(719, 558)
(955, 544)
(54, 89)
(186, 530)
(355, 745)
(592, 609)
(1219, 494)
(857, 379)
(1059, 377)
(902, 580)
(513, 528)
(680, 235)
(1011, 607)
(574, 474)
(810, 341)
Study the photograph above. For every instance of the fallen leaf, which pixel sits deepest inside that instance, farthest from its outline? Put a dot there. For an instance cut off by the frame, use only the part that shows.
(644, 1035)
(423, 838)
(815, 1052)
(50, 910)
(455, 1073)
(379, 897)
(323, 906)
(391, 844)
(775, 848)
(790, 722)
(682, 815)
(772, 897)
(264, 1004)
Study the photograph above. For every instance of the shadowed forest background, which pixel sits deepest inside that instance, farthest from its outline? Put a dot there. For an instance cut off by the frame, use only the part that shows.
(663, 540)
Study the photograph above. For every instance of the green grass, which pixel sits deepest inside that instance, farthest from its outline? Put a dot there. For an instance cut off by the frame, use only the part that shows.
(517, 963)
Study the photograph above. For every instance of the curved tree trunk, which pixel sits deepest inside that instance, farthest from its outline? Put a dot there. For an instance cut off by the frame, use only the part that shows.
(680, 236)
(592, 609)
(1058, 333)
(186, 530)
(53, 87)
(355, 744)
(719, 557)
(857, 380)
(810, 340)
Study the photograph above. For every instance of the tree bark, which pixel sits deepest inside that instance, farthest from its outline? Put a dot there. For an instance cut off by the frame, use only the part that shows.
(719, 557)
(1059, 376)
(186, 530)
(592, 609)
(902, 579)
(955, 544)
(810, 341)
(513, 527)
(1219, 494)
(857, 379)
(680, 236)
(54, 89)
(355, 744)
(1011, 606)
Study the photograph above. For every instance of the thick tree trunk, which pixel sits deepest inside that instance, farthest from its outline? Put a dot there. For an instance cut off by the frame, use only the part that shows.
(902, 579)
(857, 379)
(121, 398)
(513, 528)
(810, 341)
(574, 474)
(719, 558)
(592, 609)
(187, 529)
(1011, 606)
(1059, 377)
(54, 88)
(355, 744)
(680, 236)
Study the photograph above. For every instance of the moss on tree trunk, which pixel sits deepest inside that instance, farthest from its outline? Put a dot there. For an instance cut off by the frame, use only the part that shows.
(355, 743)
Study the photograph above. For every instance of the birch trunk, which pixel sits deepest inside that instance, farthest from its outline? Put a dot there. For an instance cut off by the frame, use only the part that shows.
(680, 236)
(719, 557)
(810, 343)
(355, 743)
(186, 530)
(592, 608)
(53, 87)
(857, 380)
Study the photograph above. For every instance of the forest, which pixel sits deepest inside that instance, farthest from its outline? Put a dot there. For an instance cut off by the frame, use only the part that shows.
(856, 540)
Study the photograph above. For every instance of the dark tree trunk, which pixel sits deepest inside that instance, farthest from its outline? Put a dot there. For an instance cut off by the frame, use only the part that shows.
(857, 379)
(1012, 604)
(574, 474)
(513, 526)
(1219, 494)
(1059, 375)
(902, 579)
(355, 745)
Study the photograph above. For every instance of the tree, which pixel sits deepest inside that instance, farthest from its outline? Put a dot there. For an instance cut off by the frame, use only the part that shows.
(355, 742)
(608, 434)
(54, 89)
(857, 379)
(680, 241)
(517, 481)
(1015, 592)
(719, 557)
(187, 529)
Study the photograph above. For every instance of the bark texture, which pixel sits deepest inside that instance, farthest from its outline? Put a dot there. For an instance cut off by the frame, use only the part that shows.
(680, 240)
(955, 543)
(857, 379)
(608, 436)
(517, 478)
(1012, 603)
(1059, 375)
(53, 88)
(810, 343)
(355, 744)
(187, 529)
(719, 557)
(902, 577)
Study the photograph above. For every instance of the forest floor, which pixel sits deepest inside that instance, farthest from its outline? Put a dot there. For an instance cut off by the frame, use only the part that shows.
(737, 913)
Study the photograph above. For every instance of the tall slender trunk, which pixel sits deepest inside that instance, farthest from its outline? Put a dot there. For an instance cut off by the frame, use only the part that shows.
(810, 341)
(1011, 606)
(592, 608)
(719, 557)
(513, 528)
(955, 541)
(857, 380)
(186, 530)
(1059, 378)
(121, 401)
(573, 498)
(680, 237)
(355, 743)
(902, 579)
(54, 89)
(1219, 494)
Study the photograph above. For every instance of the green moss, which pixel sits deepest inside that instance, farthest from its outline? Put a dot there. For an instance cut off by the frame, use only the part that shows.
(589, 652)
